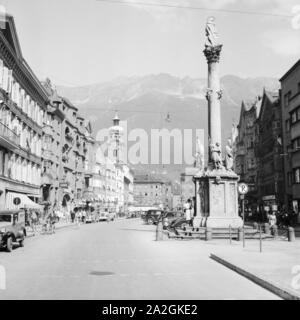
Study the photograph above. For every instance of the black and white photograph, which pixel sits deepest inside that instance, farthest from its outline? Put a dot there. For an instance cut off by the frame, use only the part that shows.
(149, 153)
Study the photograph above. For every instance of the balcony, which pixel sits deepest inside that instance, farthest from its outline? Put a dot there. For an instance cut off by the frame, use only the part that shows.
(69, 137)
(8, 138)
(65, 158)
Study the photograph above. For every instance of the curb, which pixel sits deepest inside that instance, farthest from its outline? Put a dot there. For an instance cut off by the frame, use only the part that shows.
(284, 293)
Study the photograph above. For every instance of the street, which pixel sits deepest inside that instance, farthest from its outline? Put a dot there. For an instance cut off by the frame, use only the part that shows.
(119, 260)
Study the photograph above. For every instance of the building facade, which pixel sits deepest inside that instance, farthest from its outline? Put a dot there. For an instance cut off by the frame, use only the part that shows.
(23, 102)
(290, 107)
(270, 177)
(246, 162)
(151, 190)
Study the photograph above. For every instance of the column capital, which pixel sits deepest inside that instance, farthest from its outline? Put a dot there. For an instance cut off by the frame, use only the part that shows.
(212, 53)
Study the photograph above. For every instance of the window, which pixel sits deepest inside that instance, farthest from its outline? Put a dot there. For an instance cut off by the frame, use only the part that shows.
(1, 162)
(289, 178)
(294, 117)
(287, 125)
(287, 97)
(296, 143)
(297, 175)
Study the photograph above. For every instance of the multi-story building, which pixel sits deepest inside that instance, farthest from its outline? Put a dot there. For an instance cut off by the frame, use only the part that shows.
(51, 149)
(99, 176)
(23, 102)
(290, 107)
(110, 185)
(269, 153)
(128, 188)
(246, 162)
(150, 190)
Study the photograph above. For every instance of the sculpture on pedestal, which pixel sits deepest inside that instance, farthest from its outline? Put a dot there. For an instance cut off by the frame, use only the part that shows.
(199, 156)
(229, 156)
(215, 151)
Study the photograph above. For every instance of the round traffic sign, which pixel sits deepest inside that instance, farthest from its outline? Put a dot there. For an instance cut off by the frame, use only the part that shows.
(17, 201)
(243, 188)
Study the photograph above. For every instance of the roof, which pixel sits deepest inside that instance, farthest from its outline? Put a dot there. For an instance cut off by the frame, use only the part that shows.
(295, 66)
(69, 103)
(271, 96)
(9, 33)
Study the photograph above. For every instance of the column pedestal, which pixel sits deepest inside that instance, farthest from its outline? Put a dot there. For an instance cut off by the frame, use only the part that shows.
(217, 199)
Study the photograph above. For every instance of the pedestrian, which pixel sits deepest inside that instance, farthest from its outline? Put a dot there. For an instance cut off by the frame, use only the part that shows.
(83, 215)
(187, 211)
(33, 221)
(272, 219)
(72, 216)
(52, 221)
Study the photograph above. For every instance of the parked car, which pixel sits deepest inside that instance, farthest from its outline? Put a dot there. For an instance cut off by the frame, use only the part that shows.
(107, 216)
(89, 218)
(152, 216)
(12, 229)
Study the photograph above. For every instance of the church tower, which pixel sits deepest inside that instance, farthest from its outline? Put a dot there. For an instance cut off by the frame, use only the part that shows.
(116, 141)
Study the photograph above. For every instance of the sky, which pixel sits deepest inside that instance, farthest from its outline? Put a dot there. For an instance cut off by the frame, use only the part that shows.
(80, 42)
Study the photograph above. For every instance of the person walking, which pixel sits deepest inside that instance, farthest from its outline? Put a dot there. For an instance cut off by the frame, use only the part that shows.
(34, 219)
(52, 220)
(72, 216)
(187, 211)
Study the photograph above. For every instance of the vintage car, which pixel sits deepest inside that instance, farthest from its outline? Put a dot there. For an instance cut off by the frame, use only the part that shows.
(12, 229)
(152, 216)
(107, 216)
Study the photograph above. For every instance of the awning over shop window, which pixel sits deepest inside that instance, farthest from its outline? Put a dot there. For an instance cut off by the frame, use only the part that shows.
(24, 203)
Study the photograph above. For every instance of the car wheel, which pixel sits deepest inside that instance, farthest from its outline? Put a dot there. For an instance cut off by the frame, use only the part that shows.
(150, 221)
(184, 225)
(9, 244)
(21, 243)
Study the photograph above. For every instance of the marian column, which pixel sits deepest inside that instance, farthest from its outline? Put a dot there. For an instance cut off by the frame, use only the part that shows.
(212, 53)
(216, 185)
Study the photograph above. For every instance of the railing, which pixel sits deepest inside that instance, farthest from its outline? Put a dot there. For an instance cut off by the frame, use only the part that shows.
(9, 134)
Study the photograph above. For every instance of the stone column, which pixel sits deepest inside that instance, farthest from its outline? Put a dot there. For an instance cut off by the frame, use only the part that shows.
(214, 94)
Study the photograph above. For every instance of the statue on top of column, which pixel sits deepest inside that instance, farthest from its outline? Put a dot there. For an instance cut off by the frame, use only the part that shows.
(211, 33)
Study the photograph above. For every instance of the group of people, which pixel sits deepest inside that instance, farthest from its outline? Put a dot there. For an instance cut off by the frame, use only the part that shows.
(78, 215)
(34, 218)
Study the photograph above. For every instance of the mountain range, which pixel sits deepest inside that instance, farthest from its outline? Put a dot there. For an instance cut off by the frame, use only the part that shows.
(163, 101)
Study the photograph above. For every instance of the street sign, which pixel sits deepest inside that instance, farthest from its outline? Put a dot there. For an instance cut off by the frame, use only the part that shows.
(17, 201)
(243, 188)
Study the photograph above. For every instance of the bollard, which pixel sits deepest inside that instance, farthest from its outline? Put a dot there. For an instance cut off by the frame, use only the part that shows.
(159, 231)
(208, 234)
(255, 225)
(260, 239)
(240, 234)
(267, 228)
(275, 231)
(291, 234)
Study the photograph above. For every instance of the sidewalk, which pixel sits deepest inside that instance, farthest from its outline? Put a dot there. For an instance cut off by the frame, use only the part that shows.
(276, 268)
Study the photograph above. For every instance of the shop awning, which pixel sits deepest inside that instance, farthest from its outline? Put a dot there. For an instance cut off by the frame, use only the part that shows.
(25, 203)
